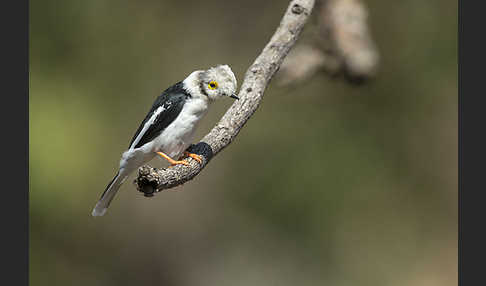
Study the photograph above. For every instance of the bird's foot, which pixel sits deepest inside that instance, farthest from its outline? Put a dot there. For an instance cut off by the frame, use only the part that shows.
(193, 156)
(179, 163)
(172, 161)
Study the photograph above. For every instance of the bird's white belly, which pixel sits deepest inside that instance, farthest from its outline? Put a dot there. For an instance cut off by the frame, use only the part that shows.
(175, 139)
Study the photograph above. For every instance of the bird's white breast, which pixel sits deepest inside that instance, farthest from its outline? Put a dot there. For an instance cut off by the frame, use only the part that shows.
(177, 136)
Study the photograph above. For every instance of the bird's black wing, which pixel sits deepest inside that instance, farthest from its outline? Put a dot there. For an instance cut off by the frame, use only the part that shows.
(171, 100)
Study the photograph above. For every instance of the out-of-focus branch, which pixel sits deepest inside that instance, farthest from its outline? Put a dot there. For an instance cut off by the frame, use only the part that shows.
(348, 24)
(256, 79)
(302, 63)
(341, 45)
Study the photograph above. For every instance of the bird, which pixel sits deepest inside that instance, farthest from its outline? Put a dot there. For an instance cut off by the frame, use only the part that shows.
(168, 128)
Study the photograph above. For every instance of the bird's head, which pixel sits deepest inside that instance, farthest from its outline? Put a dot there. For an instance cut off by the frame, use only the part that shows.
(218, 82)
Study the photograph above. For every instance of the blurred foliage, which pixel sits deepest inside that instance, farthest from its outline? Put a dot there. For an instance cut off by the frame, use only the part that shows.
(327, 184)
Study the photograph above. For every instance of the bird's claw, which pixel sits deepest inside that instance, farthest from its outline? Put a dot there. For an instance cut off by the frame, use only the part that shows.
(193, 156)
(172, 161)
(179, 163)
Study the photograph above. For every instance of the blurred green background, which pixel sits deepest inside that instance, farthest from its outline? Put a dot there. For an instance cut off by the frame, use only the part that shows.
(327, 184)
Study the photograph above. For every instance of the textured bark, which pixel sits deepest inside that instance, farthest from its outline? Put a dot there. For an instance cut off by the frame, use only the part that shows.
(256, 79)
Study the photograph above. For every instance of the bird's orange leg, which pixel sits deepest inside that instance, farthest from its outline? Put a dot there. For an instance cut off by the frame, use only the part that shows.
(172, 161)
(193, 156)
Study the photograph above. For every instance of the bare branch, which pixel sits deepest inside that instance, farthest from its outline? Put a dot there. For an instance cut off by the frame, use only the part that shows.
(256, 79)
(347, 21)
(302, 63)
(342, 44)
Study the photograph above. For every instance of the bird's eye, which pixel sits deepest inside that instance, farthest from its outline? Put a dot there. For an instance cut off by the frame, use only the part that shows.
(213, 85)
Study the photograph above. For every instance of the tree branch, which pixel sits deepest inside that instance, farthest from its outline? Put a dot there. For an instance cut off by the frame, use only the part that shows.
(256, 79)
(341, 44)
(347, 22)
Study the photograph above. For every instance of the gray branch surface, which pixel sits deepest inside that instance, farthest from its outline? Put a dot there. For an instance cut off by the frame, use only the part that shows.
(256, 79)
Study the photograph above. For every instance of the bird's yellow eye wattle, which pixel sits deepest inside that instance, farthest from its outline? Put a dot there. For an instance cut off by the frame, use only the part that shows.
(213, 85)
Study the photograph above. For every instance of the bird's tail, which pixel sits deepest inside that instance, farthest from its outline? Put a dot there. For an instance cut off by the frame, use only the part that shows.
(109, 194)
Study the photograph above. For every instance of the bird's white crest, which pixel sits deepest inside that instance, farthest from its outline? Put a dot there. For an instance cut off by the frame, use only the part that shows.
(199, 82)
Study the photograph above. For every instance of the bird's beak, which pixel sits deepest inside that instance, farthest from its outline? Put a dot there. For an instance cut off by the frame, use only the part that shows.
(234, 96)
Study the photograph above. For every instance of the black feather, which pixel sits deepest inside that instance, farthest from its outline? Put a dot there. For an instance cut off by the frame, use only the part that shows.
(173, 100)
(109, 184)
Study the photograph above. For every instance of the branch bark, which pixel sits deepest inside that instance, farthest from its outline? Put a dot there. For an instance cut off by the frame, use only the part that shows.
(257, 78)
